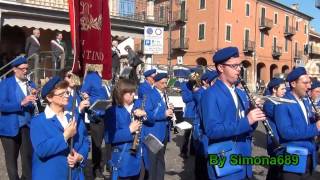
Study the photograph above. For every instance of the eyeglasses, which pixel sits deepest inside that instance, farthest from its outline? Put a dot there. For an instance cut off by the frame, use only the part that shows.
(234, 66)
(23, 69)
(63, 94)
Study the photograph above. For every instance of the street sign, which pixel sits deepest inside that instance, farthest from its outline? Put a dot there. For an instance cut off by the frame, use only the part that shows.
(153, 40)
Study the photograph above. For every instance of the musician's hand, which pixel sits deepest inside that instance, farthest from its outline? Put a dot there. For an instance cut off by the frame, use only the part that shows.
(170, 106)
(85, 96)
(83, 104)
(256, 115)
(134, 126)
(73, 158)
(318, 125)
(259, 101)
(27, 99)
(139, 113)
(70, 130)
(169, 113)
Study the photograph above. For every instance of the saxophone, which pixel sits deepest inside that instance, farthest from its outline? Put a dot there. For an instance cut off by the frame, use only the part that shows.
(136, 139)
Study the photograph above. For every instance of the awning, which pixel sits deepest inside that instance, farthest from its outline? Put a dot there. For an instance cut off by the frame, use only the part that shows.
(30, 23)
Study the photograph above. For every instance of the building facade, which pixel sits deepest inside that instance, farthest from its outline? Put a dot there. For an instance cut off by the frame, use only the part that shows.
(270, 36)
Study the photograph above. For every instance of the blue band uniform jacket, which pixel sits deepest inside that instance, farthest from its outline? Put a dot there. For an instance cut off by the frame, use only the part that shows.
(10, 107)
(293, 128)
(222, 123)
(117, 133)
(51, 149)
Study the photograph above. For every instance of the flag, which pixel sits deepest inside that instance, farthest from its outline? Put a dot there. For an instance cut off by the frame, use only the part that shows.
(90, 35)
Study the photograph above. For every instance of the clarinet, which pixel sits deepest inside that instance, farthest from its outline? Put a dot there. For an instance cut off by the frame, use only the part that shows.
(173, 118)
(275, 143)
(136, 139)
(29, 88)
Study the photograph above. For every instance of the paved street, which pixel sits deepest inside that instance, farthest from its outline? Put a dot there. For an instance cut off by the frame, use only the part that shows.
(178, 168)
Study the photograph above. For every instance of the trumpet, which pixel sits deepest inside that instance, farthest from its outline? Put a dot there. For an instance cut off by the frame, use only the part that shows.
(136, 139)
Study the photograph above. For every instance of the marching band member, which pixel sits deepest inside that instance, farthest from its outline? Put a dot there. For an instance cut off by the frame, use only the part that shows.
(157, 123)
(223, 110)
(276, 88)
(120, 130)
(315, 92)
(92, 85)
(16, 109)
(50, 132)
(147, 86)
(200, 139)
(294, 126)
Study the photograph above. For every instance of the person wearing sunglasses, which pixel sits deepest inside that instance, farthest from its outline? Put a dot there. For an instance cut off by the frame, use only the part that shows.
(17, 108)
(50, 133)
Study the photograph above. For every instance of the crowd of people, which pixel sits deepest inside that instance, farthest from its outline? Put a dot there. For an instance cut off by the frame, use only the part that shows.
(54, 143)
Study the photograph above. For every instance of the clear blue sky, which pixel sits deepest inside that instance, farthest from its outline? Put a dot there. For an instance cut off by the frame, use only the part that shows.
(307, 7)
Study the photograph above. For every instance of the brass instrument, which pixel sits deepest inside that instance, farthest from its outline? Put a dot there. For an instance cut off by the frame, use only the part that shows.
(33, 92)
(315, 109)
(194, 80)
(276, 146)
(136, 139)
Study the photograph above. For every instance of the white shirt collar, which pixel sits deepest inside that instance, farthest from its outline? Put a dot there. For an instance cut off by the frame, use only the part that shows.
(19, 81)
(129, 108)
(50, 113)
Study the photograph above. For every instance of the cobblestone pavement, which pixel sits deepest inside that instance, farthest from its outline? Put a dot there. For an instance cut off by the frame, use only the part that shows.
(178, 168)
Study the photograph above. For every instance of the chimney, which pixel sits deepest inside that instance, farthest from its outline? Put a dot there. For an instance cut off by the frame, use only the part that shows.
(295, 6)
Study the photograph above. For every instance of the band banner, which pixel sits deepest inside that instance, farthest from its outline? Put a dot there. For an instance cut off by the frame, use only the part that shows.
(91, 35)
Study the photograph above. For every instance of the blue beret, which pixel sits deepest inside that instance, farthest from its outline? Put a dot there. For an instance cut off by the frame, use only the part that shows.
(160, 76)
(149, 72)
(49, 86)
(18, 61)
(275, 82)
(296, 73)
(315, 84)
(225, 54)
(212, 75)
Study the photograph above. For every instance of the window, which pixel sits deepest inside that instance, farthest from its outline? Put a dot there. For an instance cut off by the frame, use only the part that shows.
(229, 4)
(287, 23)
(261, 39)
(161, 12)
(228, 33)
(296, 49)
(275, 20)
(246, 38)
(201, 32)
(286, 45)
(297, 25)
(247, 9)
(305, 29)
(202, 4)
(274, 43)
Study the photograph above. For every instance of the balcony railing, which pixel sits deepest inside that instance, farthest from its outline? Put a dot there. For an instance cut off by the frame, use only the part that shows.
(265, 24)
(314, 50)
(128, 10)
(298, 54)
(248, 46)
(276, 51)
(289, 31)
(182, 43)
(180, 16)
(55, 4)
